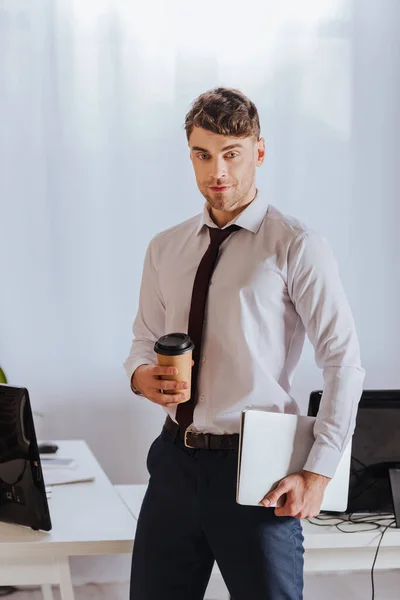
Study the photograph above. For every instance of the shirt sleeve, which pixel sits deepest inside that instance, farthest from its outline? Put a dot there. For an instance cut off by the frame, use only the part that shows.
(317, 293)
(149, 323)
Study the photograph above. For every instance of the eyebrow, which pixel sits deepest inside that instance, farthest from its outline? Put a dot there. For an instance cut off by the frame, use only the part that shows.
(198, 148)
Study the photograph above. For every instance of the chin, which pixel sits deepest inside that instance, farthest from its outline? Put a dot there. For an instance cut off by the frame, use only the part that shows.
(222, 203)
(219, 205)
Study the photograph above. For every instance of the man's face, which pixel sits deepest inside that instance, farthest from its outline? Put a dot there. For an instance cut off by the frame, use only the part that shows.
(225, 168)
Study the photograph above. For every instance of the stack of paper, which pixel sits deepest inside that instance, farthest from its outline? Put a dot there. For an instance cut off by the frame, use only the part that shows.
(59, 471)
(59, 477)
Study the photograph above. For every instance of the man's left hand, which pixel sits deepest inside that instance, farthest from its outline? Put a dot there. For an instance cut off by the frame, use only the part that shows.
(304, 494)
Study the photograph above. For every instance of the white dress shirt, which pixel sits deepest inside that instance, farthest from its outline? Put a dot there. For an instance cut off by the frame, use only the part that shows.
(275, 280)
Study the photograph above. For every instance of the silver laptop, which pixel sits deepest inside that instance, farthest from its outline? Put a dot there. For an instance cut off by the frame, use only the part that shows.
(274, 445)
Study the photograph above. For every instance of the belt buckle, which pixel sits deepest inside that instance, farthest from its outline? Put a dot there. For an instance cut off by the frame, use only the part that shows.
(185, 438)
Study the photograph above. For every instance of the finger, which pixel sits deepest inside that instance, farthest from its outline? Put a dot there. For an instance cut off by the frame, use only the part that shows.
(168, 399)
(308, 512)
(192, 363)
(273, 497)
(171, 385)
(157, 371)
(289, 509)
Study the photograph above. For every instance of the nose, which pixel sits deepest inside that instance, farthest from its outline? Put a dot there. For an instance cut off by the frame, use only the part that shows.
(218, 169)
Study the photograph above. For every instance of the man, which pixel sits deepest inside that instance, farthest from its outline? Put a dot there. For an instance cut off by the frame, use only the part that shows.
(273, 281)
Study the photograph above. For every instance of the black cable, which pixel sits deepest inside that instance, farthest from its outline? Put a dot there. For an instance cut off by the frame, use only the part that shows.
(373, 519)
(376, 556)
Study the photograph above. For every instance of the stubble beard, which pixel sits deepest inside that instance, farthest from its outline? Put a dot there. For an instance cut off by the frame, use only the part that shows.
(222, 200)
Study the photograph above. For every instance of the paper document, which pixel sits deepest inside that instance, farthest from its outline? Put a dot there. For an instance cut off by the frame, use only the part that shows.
(62, 476)
(58, 462)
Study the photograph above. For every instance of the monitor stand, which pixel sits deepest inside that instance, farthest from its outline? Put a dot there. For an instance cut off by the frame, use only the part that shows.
(394, 476)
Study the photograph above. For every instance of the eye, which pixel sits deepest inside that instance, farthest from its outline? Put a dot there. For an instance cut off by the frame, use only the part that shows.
(232, 154)
(203, 156)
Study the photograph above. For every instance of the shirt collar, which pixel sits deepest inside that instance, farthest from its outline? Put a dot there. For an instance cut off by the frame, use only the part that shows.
(250, 218)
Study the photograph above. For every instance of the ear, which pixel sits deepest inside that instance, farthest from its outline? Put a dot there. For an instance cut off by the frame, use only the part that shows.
(260, 152)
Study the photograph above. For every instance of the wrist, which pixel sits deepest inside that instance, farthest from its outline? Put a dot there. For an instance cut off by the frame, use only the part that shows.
(134, 385)
(311, 476)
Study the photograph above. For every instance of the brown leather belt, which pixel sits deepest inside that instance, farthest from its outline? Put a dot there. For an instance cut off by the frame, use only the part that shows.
(203, 441)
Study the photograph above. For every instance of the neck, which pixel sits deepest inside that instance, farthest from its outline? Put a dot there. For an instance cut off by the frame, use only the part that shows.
(222, 217)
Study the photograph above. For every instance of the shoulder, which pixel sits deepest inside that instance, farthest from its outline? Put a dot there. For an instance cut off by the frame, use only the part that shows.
(295, 243)
(185, 228)
(285, 223)
(292, 229)
(163, 240)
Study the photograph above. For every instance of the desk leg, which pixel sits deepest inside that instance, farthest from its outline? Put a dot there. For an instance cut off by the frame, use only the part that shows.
(66, 589)
(47, 592)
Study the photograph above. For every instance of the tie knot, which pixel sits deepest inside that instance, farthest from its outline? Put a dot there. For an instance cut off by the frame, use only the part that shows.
(217, 235)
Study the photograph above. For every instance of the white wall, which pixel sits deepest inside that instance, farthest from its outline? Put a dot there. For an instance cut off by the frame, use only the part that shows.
(93, 162)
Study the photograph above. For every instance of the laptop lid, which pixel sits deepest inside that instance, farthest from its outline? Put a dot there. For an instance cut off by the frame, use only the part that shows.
(22, 491)
(274, 445)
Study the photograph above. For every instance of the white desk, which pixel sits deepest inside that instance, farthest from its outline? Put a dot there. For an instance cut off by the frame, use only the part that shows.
(326, 548)
(87, 518)
(96, 518)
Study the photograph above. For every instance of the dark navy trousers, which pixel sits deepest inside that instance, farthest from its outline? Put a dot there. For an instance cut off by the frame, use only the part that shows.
(190, 517)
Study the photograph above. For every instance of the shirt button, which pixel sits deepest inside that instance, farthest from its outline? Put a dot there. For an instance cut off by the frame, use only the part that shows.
(201, 398)
(203, 359)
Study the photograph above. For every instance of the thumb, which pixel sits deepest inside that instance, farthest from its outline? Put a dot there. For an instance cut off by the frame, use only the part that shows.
(273, 497)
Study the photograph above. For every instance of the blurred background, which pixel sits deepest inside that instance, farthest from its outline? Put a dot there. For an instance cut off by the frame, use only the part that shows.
(94, 162)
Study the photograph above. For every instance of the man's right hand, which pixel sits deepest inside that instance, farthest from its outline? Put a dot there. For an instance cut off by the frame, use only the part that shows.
(146, 379)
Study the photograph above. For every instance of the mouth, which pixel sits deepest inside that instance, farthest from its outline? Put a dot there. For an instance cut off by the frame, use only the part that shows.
(220, 188)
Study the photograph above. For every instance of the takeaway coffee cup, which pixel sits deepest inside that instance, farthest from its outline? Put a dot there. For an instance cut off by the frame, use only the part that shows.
(175, 350)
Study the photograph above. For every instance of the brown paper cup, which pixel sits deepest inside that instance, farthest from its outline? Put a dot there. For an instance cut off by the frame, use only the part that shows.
(184, 365)
(175, 350)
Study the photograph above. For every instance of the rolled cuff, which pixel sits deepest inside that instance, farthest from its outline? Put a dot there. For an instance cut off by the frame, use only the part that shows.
(323, 460)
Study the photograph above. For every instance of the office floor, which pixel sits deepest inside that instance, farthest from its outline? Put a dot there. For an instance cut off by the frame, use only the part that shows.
(355, 586)
(118, 591)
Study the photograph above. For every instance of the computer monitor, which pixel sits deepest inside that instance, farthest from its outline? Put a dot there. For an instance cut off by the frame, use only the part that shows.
(22, 491)
(375, 462)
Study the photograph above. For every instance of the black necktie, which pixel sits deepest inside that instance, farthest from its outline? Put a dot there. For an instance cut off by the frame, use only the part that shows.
(184, 412)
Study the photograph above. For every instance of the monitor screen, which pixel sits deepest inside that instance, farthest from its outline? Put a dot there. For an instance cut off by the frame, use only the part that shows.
(22, 491)
(375, 449)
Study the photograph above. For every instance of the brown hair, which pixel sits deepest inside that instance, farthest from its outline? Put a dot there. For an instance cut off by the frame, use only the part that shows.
(224, 111)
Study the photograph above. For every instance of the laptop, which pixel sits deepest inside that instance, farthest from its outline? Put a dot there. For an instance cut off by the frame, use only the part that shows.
(23, 498)
(273, 445)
